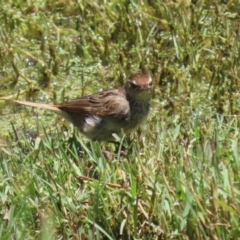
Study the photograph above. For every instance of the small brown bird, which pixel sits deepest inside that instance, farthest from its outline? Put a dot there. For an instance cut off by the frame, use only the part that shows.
(100, 115)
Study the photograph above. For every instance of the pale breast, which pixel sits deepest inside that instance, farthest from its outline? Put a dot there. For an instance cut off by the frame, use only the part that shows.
(139, 113)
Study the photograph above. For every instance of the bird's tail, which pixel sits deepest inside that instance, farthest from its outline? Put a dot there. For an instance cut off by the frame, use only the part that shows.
(37, 105)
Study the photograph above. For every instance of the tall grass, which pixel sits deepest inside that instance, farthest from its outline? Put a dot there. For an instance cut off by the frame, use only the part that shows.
(175, 178)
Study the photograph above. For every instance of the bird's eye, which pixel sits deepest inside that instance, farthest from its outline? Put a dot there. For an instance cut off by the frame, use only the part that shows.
(134, 86)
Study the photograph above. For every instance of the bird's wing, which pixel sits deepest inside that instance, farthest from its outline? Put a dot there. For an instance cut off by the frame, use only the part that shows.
(110, 102)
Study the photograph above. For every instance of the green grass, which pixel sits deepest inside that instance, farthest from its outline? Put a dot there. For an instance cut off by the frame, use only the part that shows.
(171, 187)
(178, 177)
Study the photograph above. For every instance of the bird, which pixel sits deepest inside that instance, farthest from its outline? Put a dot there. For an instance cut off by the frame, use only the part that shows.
(101, 115)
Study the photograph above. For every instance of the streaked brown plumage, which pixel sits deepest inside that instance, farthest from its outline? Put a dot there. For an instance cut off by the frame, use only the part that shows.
(100, 115)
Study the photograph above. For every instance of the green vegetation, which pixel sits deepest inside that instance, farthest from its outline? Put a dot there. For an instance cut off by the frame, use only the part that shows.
(179, 175)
